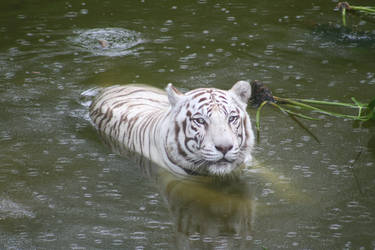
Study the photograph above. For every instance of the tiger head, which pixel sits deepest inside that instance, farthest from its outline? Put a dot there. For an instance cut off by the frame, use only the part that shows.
(210, 132)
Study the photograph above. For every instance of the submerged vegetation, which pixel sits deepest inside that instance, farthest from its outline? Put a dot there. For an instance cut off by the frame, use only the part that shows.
(295, 107)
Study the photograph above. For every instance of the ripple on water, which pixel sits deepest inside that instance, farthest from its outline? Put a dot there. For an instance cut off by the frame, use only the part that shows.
(10, 209)
(107, 41)
(332, 36)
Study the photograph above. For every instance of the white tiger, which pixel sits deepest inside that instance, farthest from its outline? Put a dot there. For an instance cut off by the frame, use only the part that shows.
(205, 131)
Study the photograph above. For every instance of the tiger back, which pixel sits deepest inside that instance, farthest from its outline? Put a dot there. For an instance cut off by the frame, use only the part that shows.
(205, 131)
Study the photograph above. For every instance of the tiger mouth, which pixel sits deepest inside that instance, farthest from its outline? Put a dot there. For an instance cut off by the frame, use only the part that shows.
(223, 161)
(218, 167)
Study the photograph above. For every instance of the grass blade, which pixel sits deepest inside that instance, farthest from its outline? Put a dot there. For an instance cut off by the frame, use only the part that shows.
(349, 105)
(309, 107)
(288, 111)
(257, 116)
(304, 128)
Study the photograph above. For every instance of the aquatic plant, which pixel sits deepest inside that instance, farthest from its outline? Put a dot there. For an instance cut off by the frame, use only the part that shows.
(261, 96)
(362, 10)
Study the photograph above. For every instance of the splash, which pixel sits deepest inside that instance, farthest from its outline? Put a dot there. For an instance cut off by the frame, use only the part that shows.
(343, 36)
(107, 41)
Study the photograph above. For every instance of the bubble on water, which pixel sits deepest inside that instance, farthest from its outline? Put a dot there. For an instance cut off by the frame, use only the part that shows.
(107, 41)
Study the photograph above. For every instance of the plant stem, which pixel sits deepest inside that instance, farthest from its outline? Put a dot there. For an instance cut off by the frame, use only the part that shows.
(343, 11)
(328, 103)
(257, 116)
(288, 111)
(304, 128)
(309, 107)
(369, 10)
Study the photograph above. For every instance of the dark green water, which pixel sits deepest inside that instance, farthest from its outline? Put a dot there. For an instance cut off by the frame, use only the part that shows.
(61, 187)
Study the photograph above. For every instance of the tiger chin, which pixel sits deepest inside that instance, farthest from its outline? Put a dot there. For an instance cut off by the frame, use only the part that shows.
(205, 131)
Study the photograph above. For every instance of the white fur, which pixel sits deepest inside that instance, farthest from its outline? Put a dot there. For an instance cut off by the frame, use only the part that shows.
(172, 131)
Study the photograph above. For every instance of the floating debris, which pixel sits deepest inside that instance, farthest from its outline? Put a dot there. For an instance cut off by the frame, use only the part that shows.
(260, 93)
(103, 43)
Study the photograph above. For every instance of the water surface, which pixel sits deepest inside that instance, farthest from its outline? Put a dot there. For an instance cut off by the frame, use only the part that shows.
(62, 186)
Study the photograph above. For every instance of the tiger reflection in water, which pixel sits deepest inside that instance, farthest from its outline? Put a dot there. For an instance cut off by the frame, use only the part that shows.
(205, 131)
(201, 207)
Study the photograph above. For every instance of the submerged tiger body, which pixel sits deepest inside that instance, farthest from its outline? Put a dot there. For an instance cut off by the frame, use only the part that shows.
(205, 131)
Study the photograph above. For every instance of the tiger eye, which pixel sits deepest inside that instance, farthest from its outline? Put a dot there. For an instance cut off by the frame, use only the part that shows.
(233, 118)
(200, 121)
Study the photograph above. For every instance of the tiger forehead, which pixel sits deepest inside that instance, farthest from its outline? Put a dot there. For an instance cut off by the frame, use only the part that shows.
(205, 100)
(215, 96)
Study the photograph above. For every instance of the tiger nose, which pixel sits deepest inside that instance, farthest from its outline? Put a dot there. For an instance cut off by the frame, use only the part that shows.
(223, 148)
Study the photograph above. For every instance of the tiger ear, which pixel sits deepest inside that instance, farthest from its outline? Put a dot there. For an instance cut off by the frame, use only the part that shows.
(242, 91)
(174, 95)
